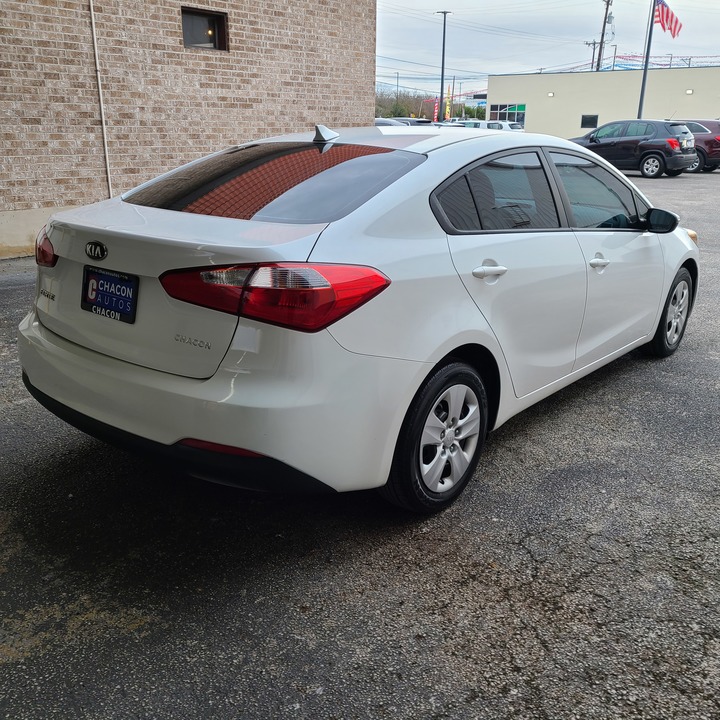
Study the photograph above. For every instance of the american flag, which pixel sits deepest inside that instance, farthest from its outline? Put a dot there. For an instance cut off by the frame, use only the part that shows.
(666, 18)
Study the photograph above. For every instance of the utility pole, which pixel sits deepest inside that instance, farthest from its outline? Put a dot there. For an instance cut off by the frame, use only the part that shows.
(594, 45)
(441, 110)
(608, 3)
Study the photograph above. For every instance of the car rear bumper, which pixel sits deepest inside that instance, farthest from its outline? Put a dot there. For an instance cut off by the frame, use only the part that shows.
(331, 419)
(680, 162)
(251, 473)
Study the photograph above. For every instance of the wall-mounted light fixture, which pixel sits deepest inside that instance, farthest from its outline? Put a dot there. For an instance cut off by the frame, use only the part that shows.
(551, 94)
(689, 91)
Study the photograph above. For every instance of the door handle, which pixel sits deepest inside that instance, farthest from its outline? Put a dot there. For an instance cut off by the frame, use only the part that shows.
(599, 263)
(488, 271)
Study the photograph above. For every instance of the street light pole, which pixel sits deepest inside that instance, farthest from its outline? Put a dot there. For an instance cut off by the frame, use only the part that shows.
(441, 110)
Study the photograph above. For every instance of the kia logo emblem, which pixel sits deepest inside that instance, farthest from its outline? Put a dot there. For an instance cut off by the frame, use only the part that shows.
(96, 250)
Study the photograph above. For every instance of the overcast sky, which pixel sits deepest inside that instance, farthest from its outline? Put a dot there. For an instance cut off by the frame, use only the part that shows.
(518, 36)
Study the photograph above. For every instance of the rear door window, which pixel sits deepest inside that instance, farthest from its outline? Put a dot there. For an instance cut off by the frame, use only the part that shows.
(508, 192)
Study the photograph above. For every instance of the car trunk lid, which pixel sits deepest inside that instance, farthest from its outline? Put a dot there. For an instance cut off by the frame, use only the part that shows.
(104, 292)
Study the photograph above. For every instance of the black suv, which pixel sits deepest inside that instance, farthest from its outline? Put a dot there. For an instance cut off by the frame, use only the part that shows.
(653, 147)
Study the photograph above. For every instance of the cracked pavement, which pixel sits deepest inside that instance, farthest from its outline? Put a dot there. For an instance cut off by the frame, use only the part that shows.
(578, 577)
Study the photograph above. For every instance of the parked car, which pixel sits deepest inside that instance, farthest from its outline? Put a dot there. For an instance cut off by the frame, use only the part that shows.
(707, 144)
(348, 311)
(389, 121)
(653, 147)
(414, 120)
(494, 125)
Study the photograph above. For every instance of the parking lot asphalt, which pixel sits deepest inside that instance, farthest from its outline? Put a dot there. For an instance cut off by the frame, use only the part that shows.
(578, 577)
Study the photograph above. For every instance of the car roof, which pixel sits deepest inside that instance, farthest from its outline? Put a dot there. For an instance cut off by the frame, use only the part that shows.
(424, 138)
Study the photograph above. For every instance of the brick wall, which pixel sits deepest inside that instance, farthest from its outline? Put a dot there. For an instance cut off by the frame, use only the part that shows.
(290, 64)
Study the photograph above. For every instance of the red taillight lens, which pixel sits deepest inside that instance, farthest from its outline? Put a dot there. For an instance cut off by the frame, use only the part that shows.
(674, 143)
(301, 296)
(44, 250)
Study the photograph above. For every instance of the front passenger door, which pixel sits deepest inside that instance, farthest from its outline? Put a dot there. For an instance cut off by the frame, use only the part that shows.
(606, 142)
(625, 267)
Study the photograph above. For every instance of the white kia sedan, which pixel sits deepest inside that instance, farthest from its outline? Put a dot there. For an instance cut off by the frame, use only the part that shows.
(347, 311)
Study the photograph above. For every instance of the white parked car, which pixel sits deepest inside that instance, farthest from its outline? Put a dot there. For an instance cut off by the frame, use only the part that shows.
(349, 311)
(494, 125)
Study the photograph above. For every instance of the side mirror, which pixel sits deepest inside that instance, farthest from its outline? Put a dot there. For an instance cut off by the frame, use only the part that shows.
(593, 138)
(661, 221)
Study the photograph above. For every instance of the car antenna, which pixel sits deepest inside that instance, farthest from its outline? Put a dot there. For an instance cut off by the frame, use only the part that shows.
(324, 134)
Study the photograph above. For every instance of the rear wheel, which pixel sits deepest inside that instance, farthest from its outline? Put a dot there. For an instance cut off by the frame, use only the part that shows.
(699, 164)
(674, 317)
(652, 166)
(440, 441)
(709, 168)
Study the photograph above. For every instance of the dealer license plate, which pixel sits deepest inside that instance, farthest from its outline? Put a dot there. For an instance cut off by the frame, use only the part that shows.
(109, 294)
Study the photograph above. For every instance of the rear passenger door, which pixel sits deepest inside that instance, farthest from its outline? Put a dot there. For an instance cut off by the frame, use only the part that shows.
(525, 273)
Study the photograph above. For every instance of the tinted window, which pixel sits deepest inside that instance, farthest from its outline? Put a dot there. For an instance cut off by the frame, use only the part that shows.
(458, 205)
(638, 129)
(598, 199)
(512, 192)
(696, 128)
(610, 131)
(279, 182)
(677, 129)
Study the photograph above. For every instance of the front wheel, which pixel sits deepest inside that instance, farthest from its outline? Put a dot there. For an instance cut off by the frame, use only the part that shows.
(440, 440)
(652, 166)
(674, 317)
(710, 168)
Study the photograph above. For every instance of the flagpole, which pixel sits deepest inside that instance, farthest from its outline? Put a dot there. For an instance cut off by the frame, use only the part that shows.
(648, 42)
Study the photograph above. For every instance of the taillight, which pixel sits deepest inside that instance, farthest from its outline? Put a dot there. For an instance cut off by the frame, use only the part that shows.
(301, 296)
(44, 250)
(674, 143)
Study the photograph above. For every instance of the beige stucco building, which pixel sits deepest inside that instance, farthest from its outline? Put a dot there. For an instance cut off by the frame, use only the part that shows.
(99, 97)
(555, 103)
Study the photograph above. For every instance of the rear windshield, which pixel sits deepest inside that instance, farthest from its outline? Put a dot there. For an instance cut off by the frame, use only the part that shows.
(678, 129)
(279, 182)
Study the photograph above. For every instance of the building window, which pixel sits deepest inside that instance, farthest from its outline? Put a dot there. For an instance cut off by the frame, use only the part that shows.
(510, 113)
(204, 29)
(589, 121)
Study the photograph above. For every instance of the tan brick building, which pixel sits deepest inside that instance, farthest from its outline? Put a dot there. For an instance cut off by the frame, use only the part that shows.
(98, 96)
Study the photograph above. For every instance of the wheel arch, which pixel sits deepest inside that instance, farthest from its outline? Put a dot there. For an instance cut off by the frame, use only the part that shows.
(654, 153)
(691, 266)
(484, 363)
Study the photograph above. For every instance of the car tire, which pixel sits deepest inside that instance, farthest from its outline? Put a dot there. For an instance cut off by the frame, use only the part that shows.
(674, 173)
(652, 166)
(440, 441)
(699, 164)
(710, 168)
(675, 314)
